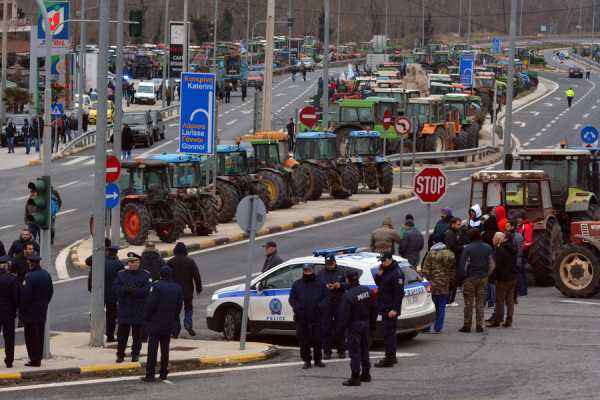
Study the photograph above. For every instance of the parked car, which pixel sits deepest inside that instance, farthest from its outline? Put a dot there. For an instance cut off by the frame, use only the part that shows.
(140, 123)
(18, 121)
(158, 125)
(308, 62)
(87, 102)
(255, 79)
(145, 93)
(575, 72)
(110, 112)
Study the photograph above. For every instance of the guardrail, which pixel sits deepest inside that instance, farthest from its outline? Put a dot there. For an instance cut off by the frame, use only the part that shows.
(475, 154)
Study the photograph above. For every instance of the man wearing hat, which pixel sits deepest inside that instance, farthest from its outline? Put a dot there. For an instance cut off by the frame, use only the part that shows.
(9, 302)
(390, 284)
(152, 261)
(334, 279)
(273, 258)
(306, 298)
(385, 238)
(36, 293)
(358, 316)
(131, 287)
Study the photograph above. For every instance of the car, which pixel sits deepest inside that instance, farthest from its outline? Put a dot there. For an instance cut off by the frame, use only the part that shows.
(255, 79)
(575, 72)
(145, 94)
(158, 125)
(269, 293)
(18, 120)
(308, 62)
(140, 123)
(85, 106)
(110, 112)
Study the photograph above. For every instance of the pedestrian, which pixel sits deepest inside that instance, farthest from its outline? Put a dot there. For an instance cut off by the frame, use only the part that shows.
(294, 70)
(168, 95)
(303, 71)
(439, 269)
(291, 132)
(162, 309)
(440, 227)
(358, 316)
(475, 217)
(17, 246)
(453, 240)
(588, 72)
(10, 132)
(334, 279)
(385, 238)
(35, 296)
(186, 274)
(112, 267)
(244, 90)
(402, 230)
(152, 261)
(570, 93)
(500, 212)
(9, 302)
(307, 297)
(127, 142)
(476, 260)
(272, 258)
(36, 132)
(20, 262)
(521, 284)
(411, 244)
(228, 89)
(26, 130)
(505, 278)
(490, 228)
(131, 288)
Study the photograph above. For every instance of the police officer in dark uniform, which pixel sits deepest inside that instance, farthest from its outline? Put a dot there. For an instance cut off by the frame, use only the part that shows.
(36, 293)
(334, 279)
(358, 315)
(163, 306)
(131, 287)
(9, 302)
(390, 283)
(307, 298)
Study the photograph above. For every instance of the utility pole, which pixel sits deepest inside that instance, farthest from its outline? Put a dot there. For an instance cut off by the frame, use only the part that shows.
(115, 213)
(460, 12)
(248, 34)
(469, 21)
(167, 55)
(506, 150)
(423, 23)
(215, 23)
(186, 36)
(325, 98)
(290, 32)
(338, 23)
(82, 56)
(387, 14)
(593, 25)
(268, 87)
(97, 305)
(4, 60)
(580, 19)
(522, 2)
(216, 127)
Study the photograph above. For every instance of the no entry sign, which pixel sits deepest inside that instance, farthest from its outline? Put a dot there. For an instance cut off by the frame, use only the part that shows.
(308, 116)
(113, 169)
(387, 119)
(430, 185)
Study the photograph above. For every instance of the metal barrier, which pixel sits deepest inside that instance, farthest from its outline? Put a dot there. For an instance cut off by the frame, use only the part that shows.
(475, 154)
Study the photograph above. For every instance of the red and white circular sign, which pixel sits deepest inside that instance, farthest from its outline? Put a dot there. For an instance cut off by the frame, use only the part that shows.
(387, 119)
(308, 116)
(430, 185)
(402, 125)
(113, 169)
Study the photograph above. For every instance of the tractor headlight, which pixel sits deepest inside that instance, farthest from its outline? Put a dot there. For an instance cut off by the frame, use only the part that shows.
(192, 191)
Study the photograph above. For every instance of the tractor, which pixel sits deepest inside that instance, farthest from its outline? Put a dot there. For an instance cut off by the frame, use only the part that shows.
(187, 182)
(526, 194)
(427, 114)
(464, 119)
(148, 204)
(317, 152)
(365, 152)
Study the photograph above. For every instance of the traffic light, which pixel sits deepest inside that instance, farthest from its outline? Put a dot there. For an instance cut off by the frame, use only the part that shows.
(39, 202)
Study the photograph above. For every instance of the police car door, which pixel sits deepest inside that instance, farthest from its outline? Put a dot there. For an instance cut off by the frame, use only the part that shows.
(270, 308)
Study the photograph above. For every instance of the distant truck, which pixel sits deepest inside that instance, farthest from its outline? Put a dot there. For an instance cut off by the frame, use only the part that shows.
(374, 60)
(232, 68)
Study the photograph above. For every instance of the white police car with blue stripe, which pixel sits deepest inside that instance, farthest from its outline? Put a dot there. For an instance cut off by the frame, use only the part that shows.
(270, 311)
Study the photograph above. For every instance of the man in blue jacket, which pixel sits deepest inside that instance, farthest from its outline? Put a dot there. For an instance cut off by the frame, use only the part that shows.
(390, 283)
(163, 306)
(9, 302)
(131, 288)
(36, 293)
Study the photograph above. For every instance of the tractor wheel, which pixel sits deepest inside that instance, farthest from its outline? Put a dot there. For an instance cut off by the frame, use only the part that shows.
(349, 179)
(300, 182)
(172, 232)
(276, 189)
(208, 222)
(227, 200)
(577, 271)
(543, 251)
(317, 182)
(386, 178)
(473, 131)
(136, 222)
(260, 189)
(436, 142)
(461, 142)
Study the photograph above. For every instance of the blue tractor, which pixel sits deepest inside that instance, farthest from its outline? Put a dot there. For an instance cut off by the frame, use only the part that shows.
(366, 153)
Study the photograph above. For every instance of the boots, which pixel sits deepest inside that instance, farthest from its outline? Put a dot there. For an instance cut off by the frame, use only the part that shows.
(353, 381)
(387, 362)
(365, 377)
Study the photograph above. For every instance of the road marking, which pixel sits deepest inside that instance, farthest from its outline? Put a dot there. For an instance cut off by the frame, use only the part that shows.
(173, 125)
(465, 178)
(576, 126)
(586, 115)
(526, 144)
(280, 94)
(153, 149)
(557, 98)
(76, 160)
(233, 121)
(580, 302)
(21, 198)
(454, 183)
(535, 113)
(548, 104)
(7, 227)
(91, 162)
(66, 212)
(230, 280)
(67, 184)
(544, 129)
(522, 124)
(594, 107)
(538, 134)
(61, 262)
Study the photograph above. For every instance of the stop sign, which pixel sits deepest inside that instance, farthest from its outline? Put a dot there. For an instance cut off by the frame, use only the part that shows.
(308, 116)
(430, 185)
(113, 169)
(387, 119)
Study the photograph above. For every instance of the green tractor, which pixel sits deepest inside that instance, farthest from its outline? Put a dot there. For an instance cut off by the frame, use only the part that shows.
(148, 204)
(187, 182)
(364, 149)
(465, 111)
(317, 152)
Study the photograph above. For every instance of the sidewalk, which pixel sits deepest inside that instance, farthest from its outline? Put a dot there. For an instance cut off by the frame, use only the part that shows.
(72, 355)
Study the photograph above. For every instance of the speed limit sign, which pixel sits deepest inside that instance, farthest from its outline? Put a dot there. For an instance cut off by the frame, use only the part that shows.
(402, 125)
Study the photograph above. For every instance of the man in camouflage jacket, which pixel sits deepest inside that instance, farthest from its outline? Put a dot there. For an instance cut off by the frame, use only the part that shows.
(438, 268)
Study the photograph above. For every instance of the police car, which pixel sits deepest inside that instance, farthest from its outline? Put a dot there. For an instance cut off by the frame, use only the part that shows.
(270, 311)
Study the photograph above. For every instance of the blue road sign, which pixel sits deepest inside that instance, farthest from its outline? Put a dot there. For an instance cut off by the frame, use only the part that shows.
(112, 195)
(197, 113)
(58, 14)
(57, 109)
(496, 45)
(467, 65)
(589, 135)
(561, 56)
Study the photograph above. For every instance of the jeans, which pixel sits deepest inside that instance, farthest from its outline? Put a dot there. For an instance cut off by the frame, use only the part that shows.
(521, 281)
(440, 301)
(188, 317)
(10, 142)
(126, 155)
(490, 297)
(27, 142)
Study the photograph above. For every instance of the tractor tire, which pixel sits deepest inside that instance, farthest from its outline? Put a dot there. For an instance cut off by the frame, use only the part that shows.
(276, 189)
(207, 224)
(386, 179)
(317, 182)
(227, 201)
(349, 178)
(461, 142)
(577, 271)
(135, 223)
(543, 251)
(300, 182)
(178, 222)
(260, 189)
(437, 142)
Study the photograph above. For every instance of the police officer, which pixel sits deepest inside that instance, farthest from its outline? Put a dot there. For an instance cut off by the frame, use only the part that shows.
(163, 306)
(334, 279)
(358, 315)
(131, 287)
(307, 297)
(9, 301)
(36, 293)
(390, 283)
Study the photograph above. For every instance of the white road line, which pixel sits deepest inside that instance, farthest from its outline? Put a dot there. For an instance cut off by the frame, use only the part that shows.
(76, 160)
(68, 184)
(544, 129)
(580, 302)
(233, 121)
(90, 162)
(454, 183)
(152, 150)
(576, 126)
(465, 178)
(586, 115)
(21, 198)
(66, 211)
(230, 280)
(280, 94)
(173, 125)
(7, 227)
(594, 107)
(538, 134)
(525, 144)
(61, 262)
(246, 112)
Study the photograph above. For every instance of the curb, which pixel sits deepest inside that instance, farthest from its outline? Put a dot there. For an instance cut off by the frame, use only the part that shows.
(132, 367)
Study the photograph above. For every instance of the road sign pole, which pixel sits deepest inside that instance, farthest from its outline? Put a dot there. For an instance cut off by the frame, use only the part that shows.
(267, 100)
(325, 98)
(401, 158)
(82, 54)
(115, 220)
(249, 262)
(428, 222)
(167, 56)
(414, 150)
(506, 149)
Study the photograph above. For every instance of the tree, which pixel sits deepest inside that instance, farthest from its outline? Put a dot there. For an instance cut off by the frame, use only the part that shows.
(375, 26)
(428, 29)
(322, 26)
(15, 99)
(202, 28)
(226, 25)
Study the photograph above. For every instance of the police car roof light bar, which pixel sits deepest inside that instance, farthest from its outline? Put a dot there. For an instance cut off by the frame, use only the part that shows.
(334, 251)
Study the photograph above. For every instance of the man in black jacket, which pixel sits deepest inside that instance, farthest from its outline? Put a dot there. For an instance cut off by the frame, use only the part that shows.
(272, 258)
(9, 302)
(186, 274)
(453, 240)
(152, 261)
(334, 279)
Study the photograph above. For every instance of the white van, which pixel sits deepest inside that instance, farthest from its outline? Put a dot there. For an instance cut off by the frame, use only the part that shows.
(144, 93)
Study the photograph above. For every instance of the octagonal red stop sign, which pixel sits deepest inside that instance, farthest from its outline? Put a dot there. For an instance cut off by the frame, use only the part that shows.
(430, 185)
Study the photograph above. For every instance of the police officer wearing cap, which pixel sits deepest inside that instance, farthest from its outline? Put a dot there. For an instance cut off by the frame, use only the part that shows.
(307, 298)
(36, 293)
(9, 302)
(358, 316)
(131, 288)
(390, 283)
(334, 279)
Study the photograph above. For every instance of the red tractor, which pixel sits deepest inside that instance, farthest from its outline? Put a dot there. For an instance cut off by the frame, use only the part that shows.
(577, 268)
